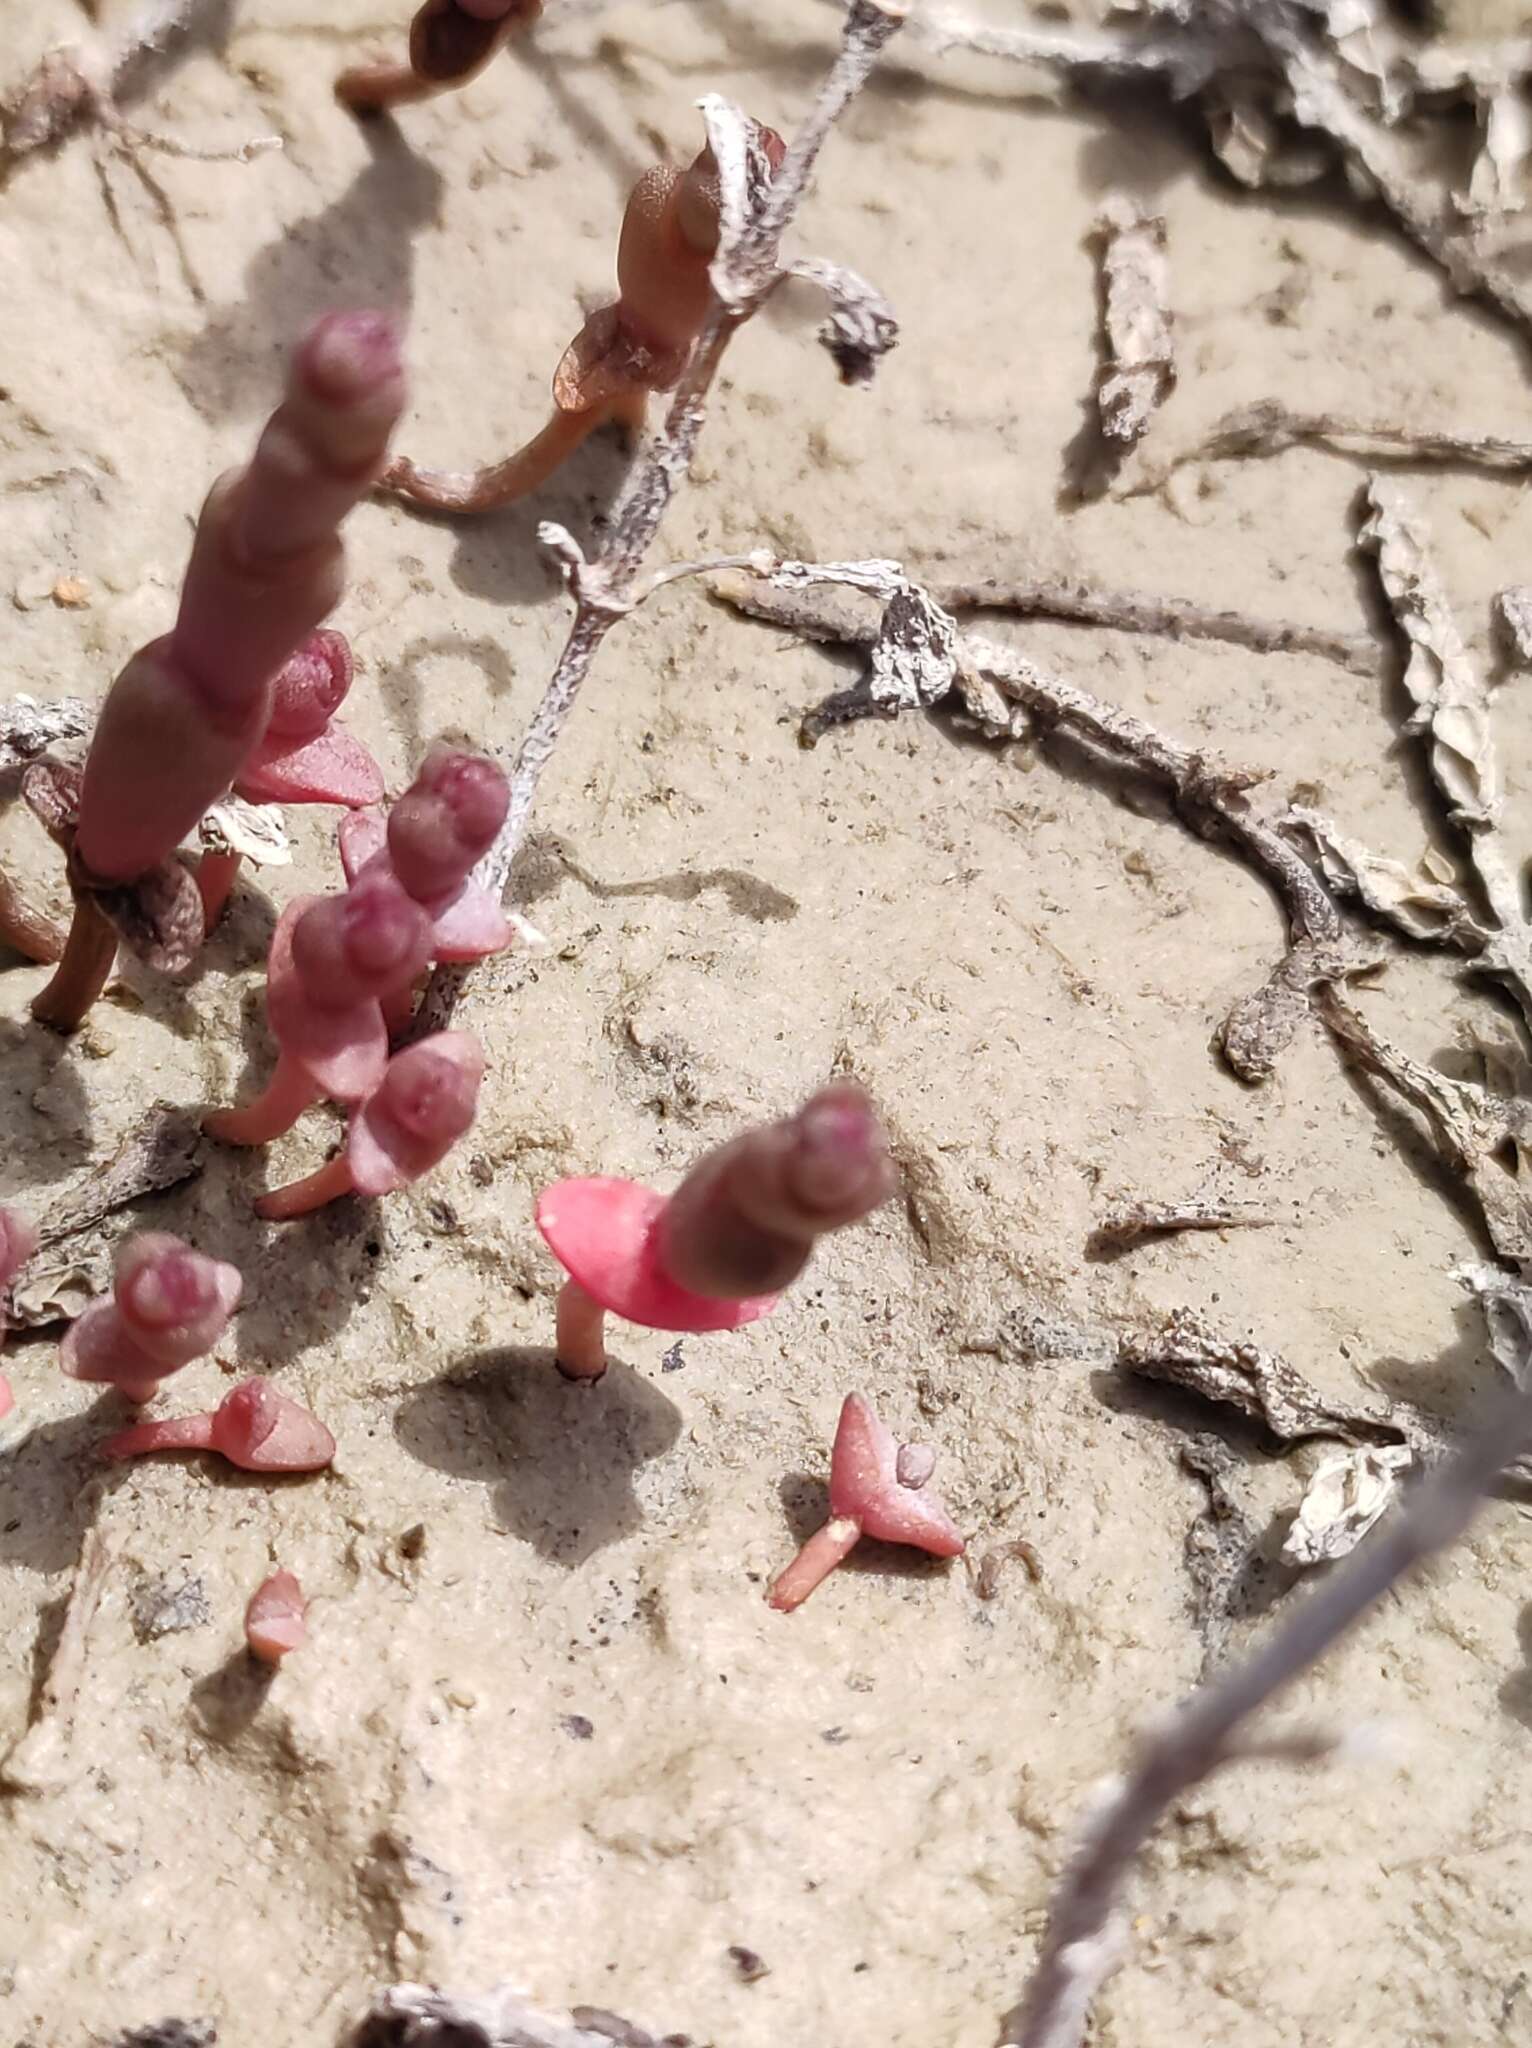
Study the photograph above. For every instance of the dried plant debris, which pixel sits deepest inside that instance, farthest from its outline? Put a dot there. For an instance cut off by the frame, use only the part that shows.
(414, 2016)
(1513, 617)
(42, 1760)
(1008, 696)
(1451, 700)
(1176, 618)
(1507, 1306)
(1130, 1222)
(1139, 370)
(1479, 1135)
(1349, 1492)
(28, 729)
(1231, 1372)
(258, 832)
(1270, 428)
(74, 1257)
(1220, 1544)
(1422, 903)
(171, 2034)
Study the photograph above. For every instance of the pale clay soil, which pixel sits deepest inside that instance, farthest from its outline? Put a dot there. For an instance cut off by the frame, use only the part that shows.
(1026, 969)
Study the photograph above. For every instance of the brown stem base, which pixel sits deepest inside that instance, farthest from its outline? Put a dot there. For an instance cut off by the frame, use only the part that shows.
(215, 876)
(82, 972)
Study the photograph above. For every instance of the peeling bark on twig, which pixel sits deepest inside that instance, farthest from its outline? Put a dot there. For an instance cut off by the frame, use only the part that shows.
(1451, 700)
(73, 1261)
(996, 685)
(1139, 370)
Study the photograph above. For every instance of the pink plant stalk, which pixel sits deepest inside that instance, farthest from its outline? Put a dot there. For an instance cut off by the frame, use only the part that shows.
(451, 41)
(333, 962)
(255, 1427)
(425, 1104)
(303, 757)
(185, 716)
(716, 1253)
(434, 837)
(18, 1241)
(877, 1488)
(276, 1620)
(169, 1305)
(626, 350)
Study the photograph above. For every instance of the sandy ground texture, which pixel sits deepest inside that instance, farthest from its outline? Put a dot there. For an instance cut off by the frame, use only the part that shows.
(546, 1729)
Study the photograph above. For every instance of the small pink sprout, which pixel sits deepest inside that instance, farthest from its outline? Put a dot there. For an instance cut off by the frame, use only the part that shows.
(7, 1398)
(255, 1427)
(877, 1489)
(169, 1305)
(302, 758)
(276, 1618)
(334, 960)
(716, 1253)
(18, 1241)
(425, 1104)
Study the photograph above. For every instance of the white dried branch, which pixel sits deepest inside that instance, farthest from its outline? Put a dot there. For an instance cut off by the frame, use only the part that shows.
(416, 2016)
(1139, 370)
(862, 326)
(1424, 903)
(1269, 428)
(258, 832)
(1451, 698)
(28, 729)
(1081, 1944)
(44, 1759)
(1129, 1222)
(1513, 616)
(1211, 796)
(753, 269)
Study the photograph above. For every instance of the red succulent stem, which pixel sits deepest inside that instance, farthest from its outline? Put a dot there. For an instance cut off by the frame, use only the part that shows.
(181, 1433)
(83, 970)
(497, 483)
(288, 1093)
(825, 1549)
(216, 874)
(301, 1197)
(579, 1344)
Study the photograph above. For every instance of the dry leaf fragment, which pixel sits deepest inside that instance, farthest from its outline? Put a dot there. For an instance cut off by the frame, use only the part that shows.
(28, 729)
(1139, 370)
(414, 2016)
(1513, 613)
(1349, 1492)
(1131, 1221)
(1422, 905)
(257, 832)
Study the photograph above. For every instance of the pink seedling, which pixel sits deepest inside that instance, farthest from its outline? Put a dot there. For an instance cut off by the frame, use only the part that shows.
(188, 712)
(425, 1104)
(877, 1488)
(276, 1618)
(333, 962)
(717, 1252)
(635, 346)
(169, 1305)
(303, 757)
(18, 1241)
(434, 837)
(451, 41)
(255, 1427)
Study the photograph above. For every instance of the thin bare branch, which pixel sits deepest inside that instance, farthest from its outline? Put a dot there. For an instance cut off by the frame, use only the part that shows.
(1081, 1944)
(1130, 1222)
(745, 271)
(1270, 428)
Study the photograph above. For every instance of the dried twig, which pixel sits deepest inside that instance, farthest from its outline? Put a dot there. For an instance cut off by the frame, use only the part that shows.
(1005, 693)
(1270, 428)
(1081, 1945)
(73, 1261)
(1134, 611)
(1130, 1222)
(1139, 370)
(745, 272)
(40, 1761)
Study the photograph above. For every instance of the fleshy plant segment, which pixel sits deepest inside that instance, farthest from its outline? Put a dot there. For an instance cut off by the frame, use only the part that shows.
(451, 41)
(624, 351)
(425, 1103)
(276, 1620)
(189, 711)
(716, 1253)
(878, 1487)
(255, 1427)
(169, 1305)
(18, 1241)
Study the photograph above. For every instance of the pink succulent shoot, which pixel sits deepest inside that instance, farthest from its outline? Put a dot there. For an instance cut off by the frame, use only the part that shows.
(437, 833)
(716, 1253)
(276, 1619)
(878, 1488)
(255, 1427)
(7, 1398)
(18, 1241)
(425, 1104)
(169, 1305)
(470, 926)
(190, 710)
(302, 758)
(334, 960)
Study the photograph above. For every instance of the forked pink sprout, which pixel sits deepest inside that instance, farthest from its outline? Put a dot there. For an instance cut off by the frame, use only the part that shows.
(451, 41)
(302, 757)
(637, 345)
(169, 1305)
(334, 961)
(276, 1620)
(877, 1488)
(186, 715)
(255, 1427)
(717, 1252)
(425, 1104)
